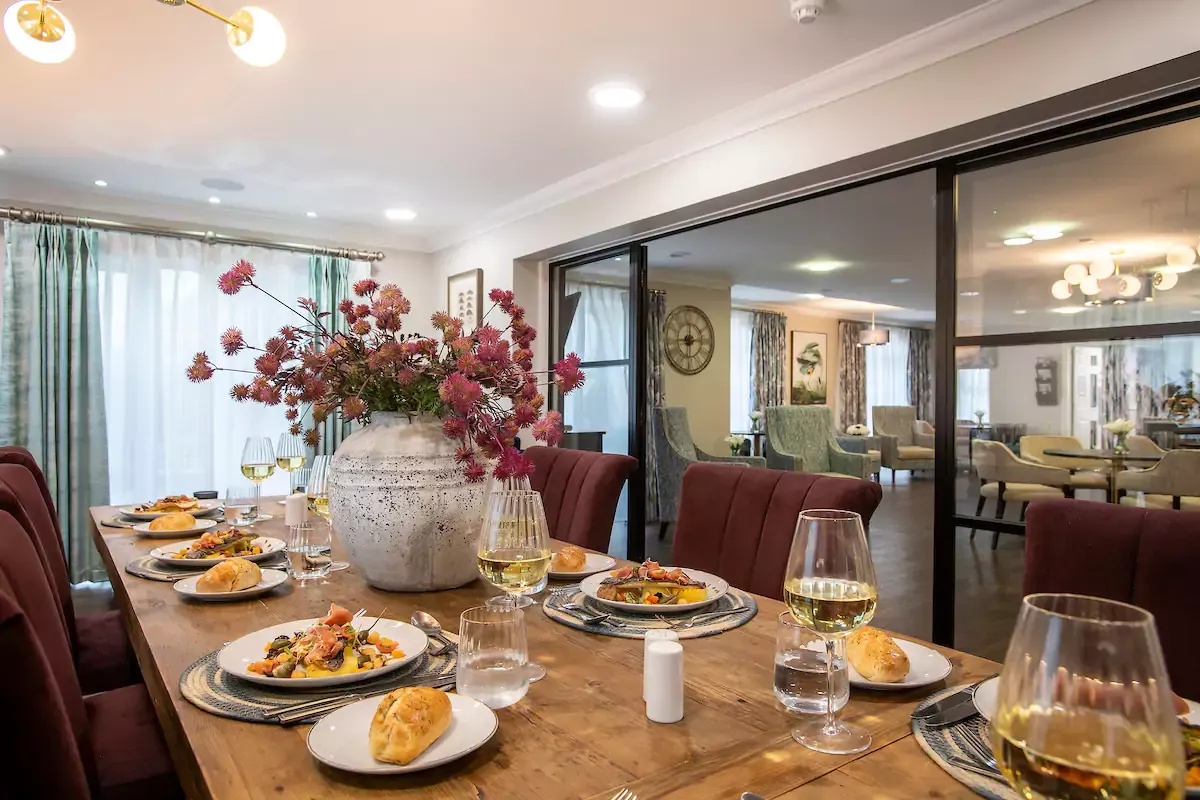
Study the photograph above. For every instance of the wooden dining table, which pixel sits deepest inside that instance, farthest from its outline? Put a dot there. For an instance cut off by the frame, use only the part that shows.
(581, 732)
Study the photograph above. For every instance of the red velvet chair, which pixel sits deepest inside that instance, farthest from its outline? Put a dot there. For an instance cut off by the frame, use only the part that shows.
(1147, 557)
(118, 748)
(102, 652)
(738, 523)
(580, 491)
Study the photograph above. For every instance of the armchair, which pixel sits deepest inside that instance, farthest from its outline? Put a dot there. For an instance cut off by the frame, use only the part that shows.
(1086, 473)
(1174, 482)
(901, 446)
(1005, 477)
(674, 452)
(800, 439)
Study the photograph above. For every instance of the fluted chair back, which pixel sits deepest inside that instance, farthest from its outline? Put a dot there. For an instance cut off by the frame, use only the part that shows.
(1035, 445)
(898, 421)
(1143, 446)
(580, 491)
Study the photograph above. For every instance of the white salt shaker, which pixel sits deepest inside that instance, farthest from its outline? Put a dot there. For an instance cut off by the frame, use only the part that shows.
(294, 509)
(664, 682)
(655, 635)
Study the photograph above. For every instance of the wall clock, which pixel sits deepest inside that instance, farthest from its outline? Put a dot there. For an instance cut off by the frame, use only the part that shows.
(688, 339)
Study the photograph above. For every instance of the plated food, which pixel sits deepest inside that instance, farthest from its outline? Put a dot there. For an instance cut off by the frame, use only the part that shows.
(171, 504)
(232, 575)
(215, 591)
(213, 546)
(407, 722)
(877, 661)
(1191, 755)
(171, 525)
(650, 588)
(569, 559)
(573, 563)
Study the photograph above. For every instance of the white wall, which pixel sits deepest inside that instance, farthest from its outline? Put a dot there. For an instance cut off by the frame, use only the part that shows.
(1011, 394)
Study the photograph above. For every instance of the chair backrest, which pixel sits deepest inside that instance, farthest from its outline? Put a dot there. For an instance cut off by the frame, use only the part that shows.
(580, 491)
(1143, 446)
(1176, 474)
(1034, 446)
(804, 431)
(923, 427)
(1146, 557)
(671, 430)
(986, 456)
(895, 421)
(738, 523)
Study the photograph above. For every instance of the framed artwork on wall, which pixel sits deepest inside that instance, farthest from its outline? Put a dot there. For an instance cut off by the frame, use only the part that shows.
(464, 297)
(809, 386)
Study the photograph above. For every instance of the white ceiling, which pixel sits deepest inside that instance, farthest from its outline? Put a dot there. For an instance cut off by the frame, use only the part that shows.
(454, 108)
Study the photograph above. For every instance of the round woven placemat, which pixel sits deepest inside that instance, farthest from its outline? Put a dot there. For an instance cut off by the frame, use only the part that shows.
(741, 606)
(942, 743)
(205, 685)
(152, 569)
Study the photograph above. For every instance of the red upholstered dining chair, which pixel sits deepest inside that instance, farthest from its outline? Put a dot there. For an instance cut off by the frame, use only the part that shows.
(580, 490)
(1142, 556)
(102, 653)
(116, 736)
(738, 523)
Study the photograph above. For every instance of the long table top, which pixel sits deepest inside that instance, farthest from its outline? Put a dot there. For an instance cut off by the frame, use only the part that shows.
(579, 733)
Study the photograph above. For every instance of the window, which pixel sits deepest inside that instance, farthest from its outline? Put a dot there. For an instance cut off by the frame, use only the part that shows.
(741, 381)
(887, 373)
(973, 393)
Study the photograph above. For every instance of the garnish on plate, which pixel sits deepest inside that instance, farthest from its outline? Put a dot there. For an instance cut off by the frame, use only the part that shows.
(333, 646)
(221, 544)
(650, 584)
(165, 505)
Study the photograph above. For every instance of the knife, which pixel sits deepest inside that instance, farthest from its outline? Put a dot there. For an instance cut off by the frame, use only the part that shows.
(956, 714)
(946, 704)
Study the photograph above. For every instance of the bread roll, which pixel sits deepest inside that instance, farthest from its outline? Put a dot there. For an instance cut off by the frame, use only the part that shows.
(230, 576)
(407, 722)
(175, 521)
(569, 559)
(876, 656)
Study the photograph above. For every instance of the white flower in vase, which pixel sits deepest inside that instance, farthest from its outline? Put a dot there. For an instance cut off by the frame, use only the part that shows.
(735, 443)
(1119, 426)
(858, 430)
(755, 417)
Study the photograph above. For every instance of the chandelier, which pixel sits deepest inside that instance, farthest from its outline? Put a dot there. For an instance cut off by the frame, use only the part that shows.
(43, 33)
(1102, 283)
(872, 336)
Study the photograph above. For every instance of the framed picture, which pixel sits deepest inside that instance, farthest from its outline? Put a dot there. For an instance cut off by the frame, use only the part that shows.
(807, 369)
(464, 297)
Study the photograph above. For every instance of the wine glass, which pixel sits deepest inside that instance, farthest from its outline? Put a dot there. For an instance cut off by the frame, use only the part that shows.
(1084, 708)
(258, 459)
(316, 492)
(514, 549)
(241, 503)
(290, 454)
(830, 589)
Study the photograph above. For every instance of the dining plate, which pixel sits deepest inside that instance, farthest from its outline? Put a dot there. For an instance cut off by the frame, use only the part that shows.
(717, 587)
(986, 699)
(201, 525)
(166, 553)
(239, 654)
(270, 579)
(926, 666)
(596, 562)
(341, 738)
(206, 508)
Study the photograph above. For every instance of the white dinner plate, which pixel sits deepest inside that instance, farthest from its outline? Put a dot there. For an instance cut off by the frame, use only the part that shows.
(926, 666)
(238, 655)
(205, 508)
(596, 562)
(986, 698)
(270, 579)
(341, 738)
(166, 553)
(717, 587)
(201, 525)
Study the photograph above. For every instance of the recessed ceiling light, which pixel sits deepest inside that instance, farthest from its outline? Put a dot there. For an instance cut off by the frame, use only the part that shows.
(968, 294)
(680, 254)
(813, 296)
(1044, 232)
(1020, 311)
(101, 184)
(216, 201)
(400, 214)
(1018, 240)
(1068, 309)
(222, 185)
(311, 215)
(4, 151)
(901, 280)
(822, 266)
(616, 95)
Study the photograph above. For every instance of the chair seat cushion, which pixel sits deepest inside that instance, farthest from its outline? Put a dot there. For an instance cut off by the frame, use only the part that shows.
(1019, 492)
(130, 753)
(1160, 501)
(912, 452)
(1089, 480)
(105, 658)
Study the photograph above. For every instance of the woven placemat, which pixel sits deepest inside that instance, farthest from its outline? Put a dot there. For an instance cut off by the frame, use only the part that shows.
(942, 743)
(152, 569)
(741, 606)
(205, 685)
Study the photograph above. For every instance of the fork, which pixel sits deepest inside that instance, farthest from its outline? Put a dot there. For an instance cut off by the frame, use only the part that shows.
(978, 748)
(677, 625)
(587, 617)
(624, 794)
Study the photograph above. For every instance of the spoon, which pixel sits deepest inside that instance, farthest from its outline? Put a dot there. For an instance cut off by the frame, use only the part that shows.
(427, 624)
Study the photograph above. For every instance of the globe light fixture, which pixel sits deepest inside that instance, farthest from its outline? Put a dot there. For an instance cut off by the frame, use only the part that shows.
(1102, 268)
(256, 37)
(1131, 286)
(1090, 286)
(1061, 290)
(1075, 274)
(1181, 256)
(1165, 280)
(38, 32)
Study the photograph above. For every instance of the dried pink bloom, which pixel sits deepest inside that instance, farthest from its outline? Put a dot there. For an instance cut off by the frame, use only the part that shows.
(292, 414)
(475, 472)
(567, 374)
(289, 333)
(312, 437)
(240, 392)
(524, 414)
(346, 306)
(294, 429)
(308, 303)
(201, 369)
(513, 464)
(365, 287)
(353, 408)
(278, 347)
(460, 392)
(548, 429)
(267, 364)
(232, 342)
(362, 310)
(361, 327)
(291, 399)
(493, 353)
(239, 275)
(454, 427)
(487, 334)
(464, 454)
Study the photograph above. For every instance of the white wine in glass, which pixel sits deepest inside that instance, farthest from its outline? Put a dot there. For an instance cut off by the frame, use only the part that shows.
(829, 588)
(258, 459)
(317, 496)
(290, 452)
(1084, 708)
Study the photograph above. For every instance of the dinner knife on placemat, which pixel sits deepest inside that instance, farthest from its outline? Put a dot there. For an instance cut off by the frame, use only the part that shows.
(298, 712)
(963, 697)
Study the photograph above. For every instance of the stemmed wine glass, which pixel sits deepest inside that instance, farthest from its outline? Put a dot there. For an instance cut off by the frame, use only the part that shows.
(258, 459)
(1084, 708)
(290, 455)
(317, 493)
(830, 589)
(514, 549)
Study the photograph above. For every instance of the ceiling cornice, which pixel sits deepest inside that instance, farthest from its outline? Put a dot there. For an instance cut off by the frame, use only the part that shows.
(974, 28)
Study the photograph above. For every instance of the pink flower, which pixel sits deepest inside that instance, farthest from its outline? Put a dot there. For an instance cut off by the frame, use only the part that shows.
(291, 399)
(240, 392)
(320, 413)
(522, 334)
(523, 358)
(548, 429)
(294, 429)
(493, 352)
(267, 364)
(239, 275)
(487, 334)
(524, 414)
(289, 333)
(454, 427)
(501, 297)
(361, 310)
(464, 454)
(314, 389)
(312, 437)
(362, 327)
(475, 472)
(308, 303)
(346, 306)
(278, 347)
(292, 414)
(405, 376)
(567, 374)
(353, 408)
(469, 364)
(529, 389)
(441, 320)
(201, 369)
(365, 287)
(460, 392)
(513, 464)
(232, 342)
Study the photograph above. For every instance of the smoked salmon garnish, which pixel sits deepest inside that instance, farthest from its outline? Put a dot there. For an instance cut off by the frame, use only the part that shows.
(336, 616)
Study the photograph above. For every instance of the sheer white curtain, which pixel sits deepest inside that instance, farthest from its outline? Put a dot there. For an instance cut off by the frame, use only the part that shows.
(887, 373)
(159, 305)
(741, 385)
(973, 393)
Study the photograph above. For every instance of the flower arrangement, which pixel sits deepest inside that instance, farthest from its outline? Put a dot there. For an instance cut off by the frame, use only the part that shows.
(858, 430)
(1119, 427)
(979, 415)
(481, 384)
(735, 443)
(755, 417)
(1181, 402)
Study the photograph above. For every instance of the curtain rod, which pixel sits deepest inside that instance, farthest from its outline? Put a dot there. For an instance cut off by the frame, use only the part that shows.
(29, 215)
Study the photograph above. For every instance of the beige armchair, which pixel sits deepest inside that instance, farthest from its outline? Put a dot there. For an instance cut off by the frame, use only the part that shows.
(1143, 446)
(900, 445)
(1086, 473)
(1174, 482)
(1006, 478)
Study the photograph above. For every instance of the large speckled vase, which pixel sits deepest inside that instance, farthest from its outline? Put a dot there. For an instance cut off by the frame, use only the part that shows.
(401, 505)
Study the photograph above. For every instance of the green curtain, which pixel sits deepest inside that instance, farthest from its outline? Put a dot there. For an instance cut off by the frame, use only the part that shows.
(51, 374)
(329, 284)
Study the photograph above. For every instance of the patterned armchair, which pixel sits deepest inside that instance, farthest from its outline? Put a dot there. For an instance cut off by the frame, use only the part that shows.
(675, 451)
(1174, 482)
(800, 439)
(901, 446)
